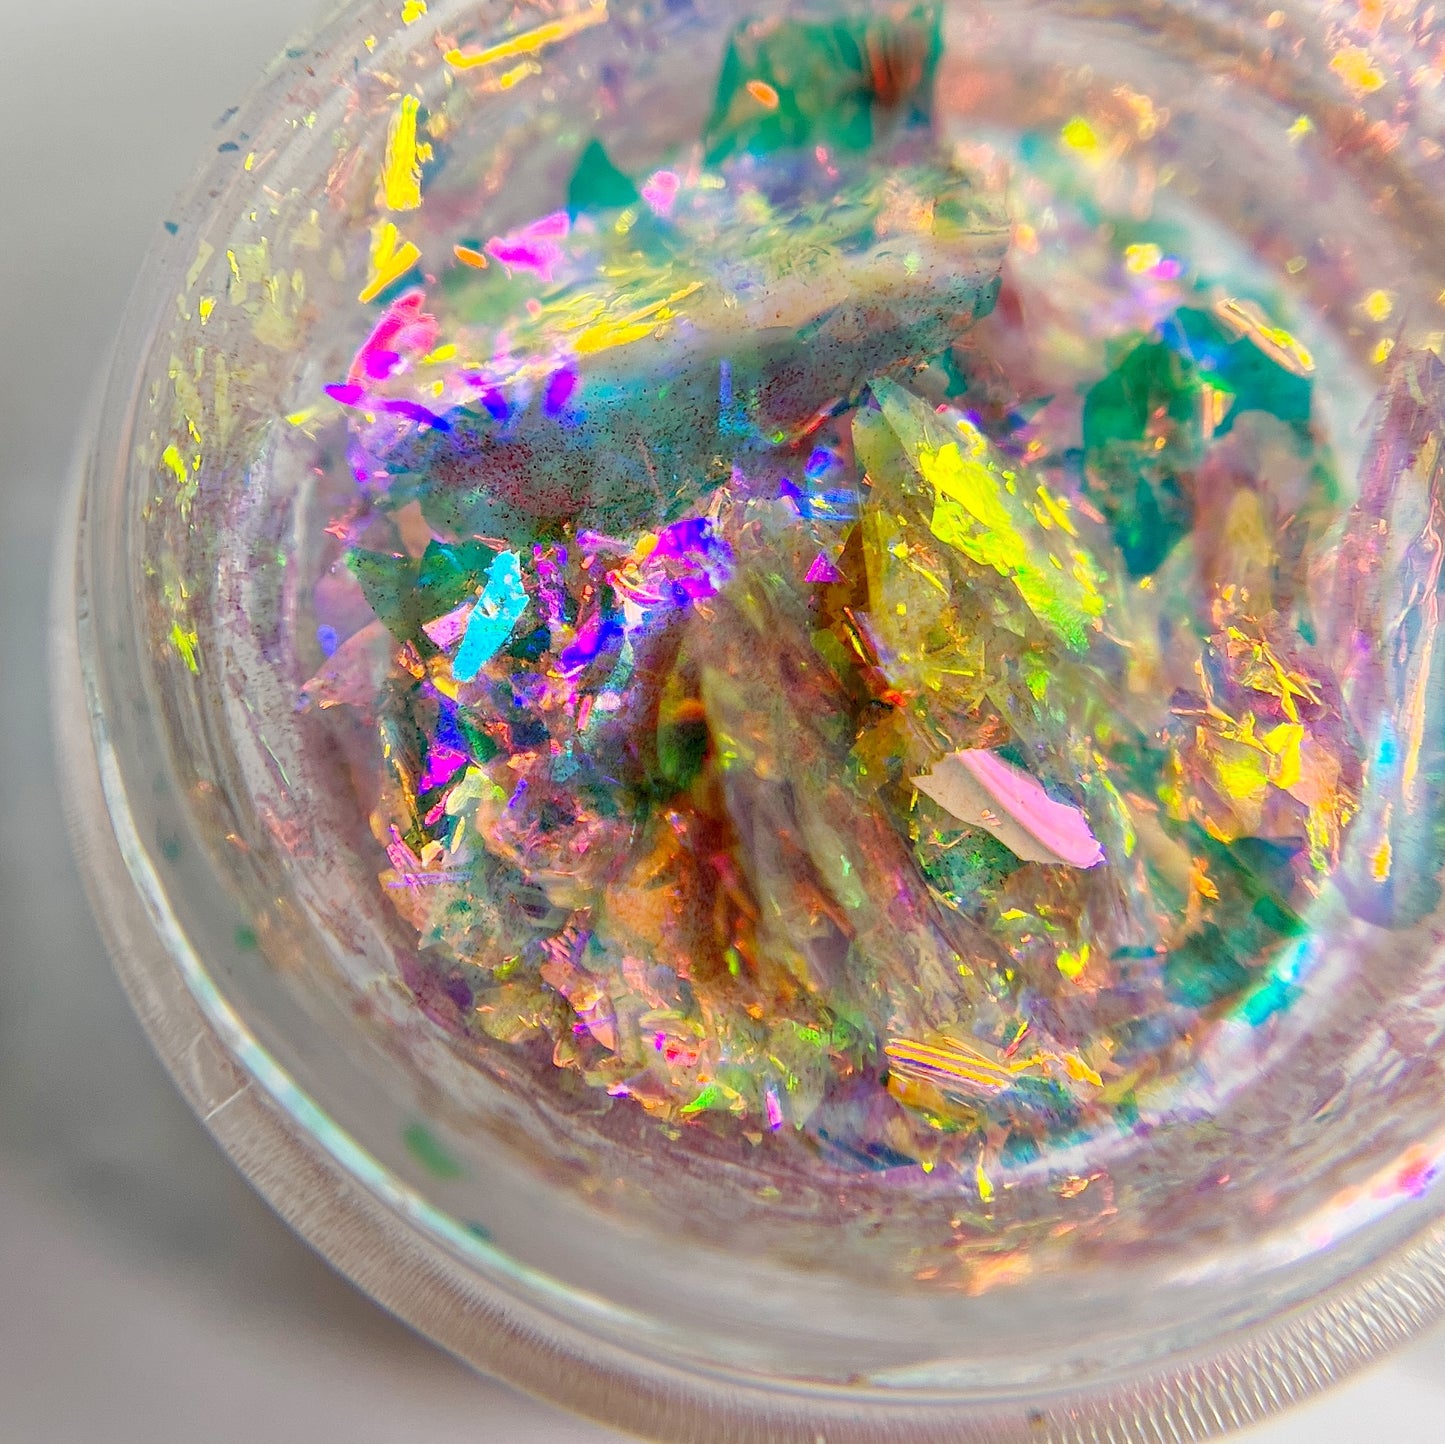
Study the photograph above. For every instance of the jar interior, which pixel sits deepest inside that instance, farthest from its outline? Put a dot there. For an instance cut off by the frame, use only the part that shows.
(1275, 1150)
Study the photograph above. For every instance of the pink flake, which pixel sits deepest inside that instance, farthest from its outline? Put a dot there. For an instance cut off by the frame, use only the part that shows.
(405, 332)
(660, 191)
(446, 631)
(536, 247)
(775, 1108)
(823, 570)
(443, 763)
(982, 789)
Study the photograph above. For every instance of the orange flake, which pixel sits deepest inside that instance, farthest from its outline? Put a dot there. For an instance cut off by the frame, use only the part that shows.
(763, 93)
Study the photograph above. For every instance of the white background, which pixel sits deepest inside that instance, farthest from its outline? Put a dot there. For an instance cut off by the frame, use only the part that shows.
(145, 1294)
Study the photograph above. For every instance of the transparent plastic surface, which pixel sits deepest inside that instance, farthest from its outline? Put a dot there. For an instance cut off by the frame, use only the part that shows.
(1174, 1234)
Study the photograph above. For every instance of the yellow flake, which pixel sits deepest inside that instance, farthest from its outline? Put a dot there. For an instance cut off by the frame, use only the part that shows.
(1079, 1070)
(601, 335)
(1266, 673)
(172, 458)
(1382, 860)
(508, 78)
(1241, 771)
(1354, 66)
(1277, 343)
(1141, 259)
(970, 514)
(1301, 127)
(185, 642)
(1200, 880)
(529, 42)
(1056, 510)
(1071, 964)
(985, 1188)
(968, 481)
(1382, 352)
(392, 256)
(1080, 136)
(1378, 305)
(945, 1058)
(1284, 743)
(412, 11)
(1216, 403)
(401, 167)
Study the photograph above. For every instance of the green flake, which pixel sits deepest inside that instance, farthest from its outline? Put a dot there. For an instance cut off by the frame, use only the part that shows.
(597, 184)
(1151, 397)
(966, 867)
(1152, 378)
(405, 593)
(431, 1153)
(388, 582)
(1252, 876)
(449, 574)
(1204, 970)
(710, 1097)
(1143, 425)
(479, 744)
(681, 752)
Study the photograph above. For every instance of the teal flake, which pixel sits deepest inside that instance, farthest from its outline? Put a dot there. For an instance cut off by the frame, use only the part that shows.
(497, 612)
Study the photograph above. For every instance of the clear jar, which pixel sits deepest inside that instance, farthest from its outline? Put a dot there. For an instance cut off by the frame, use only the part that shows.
(1271, 1221)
